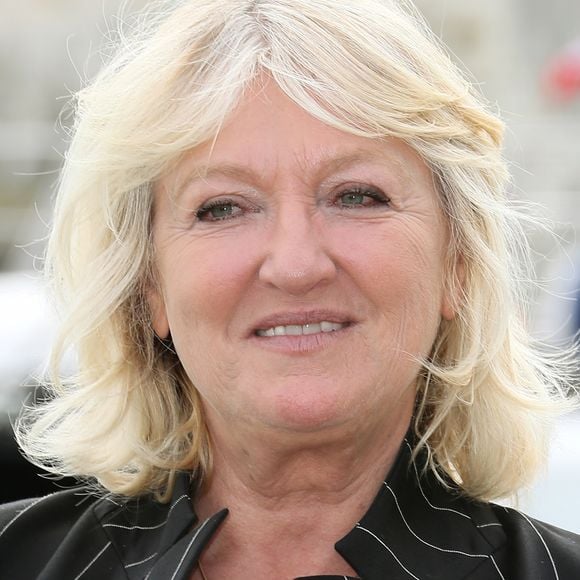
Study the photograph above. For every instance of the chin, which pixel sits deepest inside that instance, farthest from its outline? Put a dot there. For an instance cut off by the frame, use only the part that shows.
(311, 409)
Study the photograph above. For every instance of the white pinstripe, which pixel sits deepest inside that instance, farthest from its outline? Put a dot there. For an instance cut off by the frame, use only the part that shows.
(111, 500)
(155, 527)
(543, 542)
(389, 550)
(93, 561)
(446, 550)
(189, 548)
(443, 509)
(496, 567)
(449, 551)
(86, 497)
(141, 561)
(438, 508)
(21, 512)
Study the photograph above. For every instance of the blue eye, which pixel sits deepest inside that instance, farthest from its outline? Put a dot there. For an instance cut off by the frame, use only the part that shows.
(218, 210)
(361, 197)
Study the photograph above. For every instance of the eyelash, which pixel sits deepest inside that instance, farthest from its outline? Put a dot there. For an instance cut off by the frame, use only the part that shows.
(206, 208)
(378, 199)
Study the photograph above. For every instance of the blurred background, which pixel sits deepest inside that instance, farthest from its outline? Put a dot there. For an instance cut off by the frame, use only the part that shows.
(525, 55)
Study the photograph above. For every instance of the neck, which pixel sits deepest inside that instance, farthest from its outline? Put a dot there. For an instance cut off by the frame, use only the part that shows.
(273, 472)
(290, 488)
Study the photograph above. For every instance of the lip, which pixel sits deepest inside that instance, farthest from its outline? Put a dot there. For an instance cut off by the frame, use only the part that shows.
(303, 344)
(301, 318)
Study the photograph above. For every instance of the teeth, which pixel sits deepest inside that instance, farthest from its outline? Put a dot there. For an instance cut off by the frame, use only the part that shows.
(311, 328)
(330, 326)
(298, 329)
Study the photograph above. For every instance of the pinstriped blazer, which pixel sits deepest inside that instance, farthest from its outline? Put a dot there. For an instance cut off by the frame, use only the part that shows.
(416, 528)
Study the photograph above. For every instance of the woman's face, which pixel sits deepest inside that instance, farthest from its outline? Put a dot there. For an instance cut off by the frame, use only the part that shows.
(301, 271)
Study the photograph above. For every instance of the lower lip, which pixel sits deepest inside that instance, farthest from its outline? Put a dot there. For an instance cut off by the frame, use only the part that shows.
(302, 343)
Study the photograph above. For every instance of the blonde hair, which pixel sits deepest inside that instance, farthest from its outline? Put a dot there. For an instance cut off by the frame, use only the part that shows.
(131, 417)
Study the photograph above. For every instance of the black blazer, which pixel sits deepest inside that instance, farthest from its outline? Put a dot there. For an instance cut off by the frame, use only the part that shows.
(416, 528)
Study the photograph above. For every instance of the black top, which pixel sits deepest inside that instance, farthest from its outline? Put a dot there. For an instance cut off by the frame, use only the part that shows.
(416, 528)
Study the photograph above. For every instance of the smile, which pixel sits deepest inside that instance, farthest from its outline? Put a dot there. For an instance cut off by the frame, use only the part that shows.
(301, 329)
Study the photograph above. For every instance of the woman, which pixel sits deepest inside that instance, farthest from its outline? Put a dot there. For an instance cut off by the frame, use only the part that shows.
(291, 276)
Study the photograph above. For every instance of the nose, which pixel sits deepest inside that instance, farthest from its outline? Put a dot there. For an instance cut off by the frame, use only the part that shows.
(296, 259)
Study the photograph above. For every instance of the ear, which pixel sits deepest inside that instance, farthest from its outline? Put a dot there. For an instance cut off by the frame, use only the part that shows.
(159, 321)
(453, 290)
(448, 309)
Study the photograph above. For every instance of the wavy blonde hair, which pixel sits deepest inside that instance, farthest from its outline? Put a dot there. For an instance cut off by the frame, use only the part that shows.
(131, 417)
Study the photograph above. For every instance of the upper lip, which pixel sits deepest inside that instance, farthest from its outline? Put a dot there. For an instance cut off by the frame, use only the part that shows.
(302, 317)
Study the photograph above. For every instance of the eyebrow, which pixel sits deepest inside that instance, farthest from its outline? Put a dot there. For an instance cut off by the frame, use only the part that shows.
(327, 166)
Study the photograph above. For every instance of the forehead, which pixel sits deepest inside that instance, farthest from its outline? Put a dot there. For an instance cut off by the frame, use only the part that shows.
(268, 135)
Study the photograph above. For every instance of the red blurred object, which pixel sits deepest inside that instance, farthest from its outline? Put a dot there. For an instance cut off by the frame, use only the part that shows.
(562, 74)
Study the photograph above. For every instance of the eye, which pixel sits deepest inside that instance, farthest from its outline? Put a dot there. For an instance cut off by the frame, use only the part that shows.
(218, 210)
(359, 196)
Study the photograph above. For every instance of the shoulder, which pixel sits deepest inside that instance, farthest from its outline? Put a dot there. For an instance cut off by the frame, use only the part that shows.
(533, 545)
(36, 511)
(37, 515)
(66, 534)
(32, 530)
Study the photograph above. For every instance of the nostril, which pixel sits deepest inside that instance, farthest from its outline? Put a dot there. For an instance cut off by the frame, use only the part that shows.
(297, 278)
(297, 265)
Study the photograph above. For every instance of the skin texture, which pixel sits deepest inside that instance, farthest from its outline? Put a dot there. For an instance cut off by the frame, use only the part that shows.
(308, 223)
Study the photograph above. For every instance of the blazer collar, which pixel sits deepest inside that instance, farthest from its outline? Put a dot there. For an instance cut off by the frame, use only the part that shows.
(419, 525)
(416, 525)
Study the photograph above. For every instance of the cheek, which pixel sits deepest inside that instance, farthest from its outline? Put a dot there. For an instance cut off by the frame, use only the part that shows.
(401, 271)
(394, 259)
(204, 282)
(204, 272)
